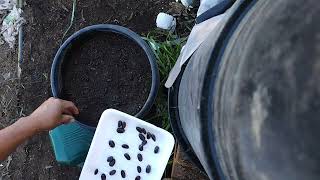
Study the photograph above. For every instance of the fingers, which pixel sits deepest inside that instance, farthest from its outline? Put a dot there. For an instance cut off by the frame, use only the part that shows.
(66, 119)
(69, 108)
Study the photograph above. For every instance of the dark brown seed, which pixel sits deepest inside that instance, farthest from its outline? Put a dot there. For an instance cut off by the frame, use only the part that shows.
(139, 129)
(141, 147)
(141, 136)
(144, 142)
(148, 169)
(139, 157)
(111, 143)
(125, 146)
(109, 159)
(120, 130)
(137, 178)
(123, 174)
(156, 149)
(103, 177)
(153, 137)
(148, 135)
(112, 172)
(96, 172)
(127, 156)
(124, 124)
(112, 162)
(144, 131)
(139, 169)
(119, 124)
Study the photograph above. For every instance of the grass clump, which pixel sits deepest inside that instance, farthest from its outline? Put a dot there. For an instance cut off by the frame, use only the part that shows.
(167, 48)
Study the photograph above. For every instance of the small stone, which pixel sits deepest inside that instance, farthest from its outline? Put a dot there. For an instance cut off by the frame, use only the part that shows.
(141, 136)
(139, 157)
(126, 146)
(112, 172)
(120, 130)
(139, 129)
(127, 156)
(112, 162)
(109, 159)
(137, 178)
(141, 147)
(96, 172)
(111, 143)
(148, 169)
(103, 177)
(123, 174)
(139, 169)
(153, 137)
(156, 149)
(144, 131)
(148, 135)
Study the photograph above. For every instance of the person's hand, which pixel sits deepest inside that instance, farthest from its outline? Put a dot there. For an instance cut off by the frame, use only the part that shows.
(52, 113)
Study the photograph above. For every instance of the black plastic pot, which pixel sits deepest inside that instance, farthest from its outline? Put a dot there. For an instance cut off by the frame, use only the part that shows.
(56, 76)
(188, 97)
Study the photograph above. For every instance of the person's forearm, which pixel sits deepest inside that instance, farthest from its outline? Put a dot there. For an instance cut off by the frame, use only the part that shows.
(12, 136)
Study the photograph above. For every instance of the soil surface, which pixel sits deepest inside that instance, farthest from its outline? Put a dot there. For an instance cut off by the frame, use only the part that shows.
(106, 70)
(46, 24)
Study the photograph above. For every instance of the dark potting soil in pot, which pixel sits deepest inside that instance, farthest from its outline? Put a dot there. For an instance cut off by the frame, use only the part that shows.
(104, 71)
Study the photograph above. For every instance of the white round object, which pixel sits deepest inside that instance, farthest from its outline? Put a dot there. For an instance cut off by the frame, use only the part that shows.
(165, 21)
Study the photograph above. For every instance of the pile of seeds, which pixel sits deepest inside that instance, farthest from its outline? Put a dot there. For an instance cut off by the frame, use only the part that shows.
(144, 136)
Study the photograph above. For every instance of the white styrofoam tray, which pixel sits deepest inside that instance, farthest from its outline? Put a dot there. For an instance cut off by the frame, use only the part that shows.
(100, 149)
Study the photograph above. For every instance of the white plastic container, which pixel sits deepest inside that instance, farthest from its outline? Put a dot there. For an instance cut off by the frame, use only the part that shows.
(166, 22)
(100, 149)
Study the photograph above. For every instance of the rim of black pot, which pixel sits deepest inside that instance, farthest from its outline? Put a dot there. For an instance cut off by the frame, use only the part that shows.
(55, 76)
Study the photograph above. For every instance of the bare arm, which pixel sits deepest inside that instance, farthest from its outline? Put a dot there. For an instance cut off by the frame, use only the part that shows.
(49, 115)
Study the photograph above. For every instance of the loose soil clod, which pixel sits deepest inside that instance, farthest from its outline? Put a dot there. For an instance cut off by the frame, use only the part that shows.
(137, 178)
(96, 172)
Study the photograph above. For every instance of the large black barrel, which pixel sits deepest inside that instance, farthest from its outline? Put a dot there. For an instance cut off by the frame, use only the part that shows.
(249, 98)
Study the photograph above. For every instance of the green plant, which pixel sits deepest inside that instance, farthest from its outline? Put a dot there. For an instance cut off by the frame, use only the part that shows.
(167, 48)
(166, 51)
(74, 6)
